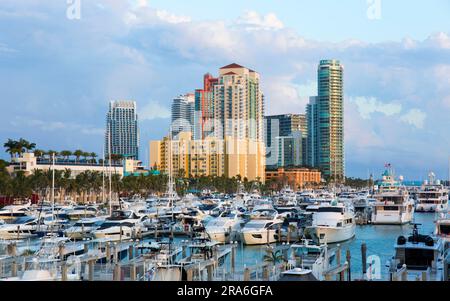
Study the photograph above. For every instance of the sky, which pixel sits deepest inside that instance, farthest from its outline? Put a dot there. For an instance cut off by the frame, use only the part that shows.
(60, 66)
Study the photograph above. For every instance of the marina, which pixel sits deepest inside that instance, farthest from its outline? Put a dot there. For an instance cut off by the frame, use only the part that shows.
(297, 236)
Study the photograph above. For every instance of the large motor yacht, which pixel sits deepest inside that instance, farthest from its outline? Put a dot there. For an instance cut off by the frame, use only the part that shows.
(394, 205)
(432, 196)
(334, 222)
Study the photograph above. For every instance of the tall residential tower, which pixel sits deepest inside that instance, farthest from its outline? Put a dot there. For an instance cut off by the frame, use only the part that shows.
(122, 133)
(326, 120)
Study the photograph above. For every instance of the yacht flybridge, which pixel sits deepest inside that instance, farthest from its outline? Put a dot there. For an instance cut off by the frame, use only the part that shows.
(393, 204)
(432, 196)
(419, 256)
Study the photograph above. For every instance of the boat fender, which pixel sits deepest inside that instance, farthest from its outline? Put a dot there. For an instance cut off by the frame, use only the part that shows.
(401, 240)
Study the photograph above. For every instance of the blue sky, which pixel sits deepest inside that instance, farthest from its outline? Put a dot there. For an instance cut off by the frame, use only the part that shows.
(58, 74)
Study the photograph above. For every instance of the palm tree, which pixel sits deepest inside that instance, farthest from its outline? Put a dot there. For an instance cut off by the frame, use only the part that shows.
(51, 153)
(85, 155)
(273, 256)
(26, 145)
(93, 156)
(78, 153)
(12, 147)
(39, 154)
(66, 154)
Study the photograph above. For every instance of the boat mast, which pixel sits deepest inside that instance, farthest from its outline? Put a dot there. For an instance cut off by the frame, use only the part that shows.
(103, 175)
(53, 187)
(109, 162)
(170, 188)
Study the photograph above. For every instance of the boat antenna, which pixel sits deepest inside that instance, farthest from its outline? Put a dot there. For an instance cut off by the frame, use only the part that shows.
(53, 187)
(109, 162)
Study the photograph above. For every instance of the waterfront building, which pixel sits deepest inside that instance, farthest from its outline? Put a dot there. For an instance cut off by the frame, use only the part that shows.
(122, 133)
(285, 140)
(204, 108)
(182, 114)
(28, 163)
(228, 130)
(209, 157)
(296, 177)
(326, 121)
(312, 146)
(238, 104)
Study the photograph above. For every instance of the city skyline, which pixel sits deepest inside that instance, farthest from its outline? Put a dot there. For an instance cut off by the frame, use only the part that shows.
(60, 75)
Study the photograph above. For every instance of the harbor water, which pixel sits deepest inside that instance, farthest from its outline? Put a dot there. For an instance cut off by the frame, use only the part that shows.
(379, 239)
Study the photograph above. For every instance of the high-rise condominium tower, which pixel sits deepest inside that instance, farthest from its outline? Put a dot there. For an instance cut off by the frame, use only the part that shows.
(238, 104)
(182, 115)
(204, 108)
(122, 133)
(328, 127)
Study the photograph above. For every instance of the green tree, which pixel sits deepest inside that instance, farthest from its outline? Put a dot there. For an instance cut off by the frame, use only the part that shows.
(78, 154)
(66, 154)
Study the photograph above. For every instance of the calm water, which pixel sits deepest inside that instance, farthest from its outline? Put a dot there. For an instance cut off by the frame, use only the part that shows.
(379, 239)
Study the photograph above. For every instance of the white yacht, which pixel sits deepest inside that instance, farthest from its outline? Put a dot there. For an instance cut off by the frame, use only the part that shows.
(21, 228)
(224, 228)
(394, 205)
(53, 247)
(83, 228)
(308, 257)
(14, 211)
(432, 196)
(262, 227)
(423, 256)
(442, 229)
(333, 223)
(120, 225)
(82, 212)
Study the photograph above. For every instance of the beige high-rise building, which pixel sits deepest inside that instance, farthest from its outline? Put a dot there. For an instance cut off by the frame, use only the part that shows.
(238, 104)
(228, 128)
(209, 157)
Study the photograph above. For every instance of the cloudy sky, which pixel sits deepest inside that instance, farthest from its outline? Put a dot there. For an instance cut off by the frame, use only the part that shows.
(58, 71)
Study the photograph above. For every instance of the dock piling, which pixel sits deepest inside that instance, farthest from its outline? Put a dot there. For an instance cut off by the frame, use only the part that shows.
(91, 269)
(63, 271)
(364, 259)
(247, 274)
(349, 271)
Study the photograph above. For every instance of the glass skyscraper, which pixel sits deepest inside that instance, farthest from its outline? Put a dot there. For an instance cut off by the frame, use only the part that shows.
(183, 114)
(122, 133)
(326, 121)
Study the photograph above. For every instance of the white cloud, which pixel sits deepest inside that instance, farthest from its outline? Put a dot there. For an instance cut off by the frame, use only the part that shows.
(369, 105)
(440, 40)
(153, 110)
(414, 117)
(172, 18)
(252, 20)
(52, 126)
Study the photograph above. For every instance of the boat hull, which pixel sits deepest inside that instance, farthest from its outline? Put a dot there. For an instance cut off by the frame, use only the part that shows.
(259, 237)
(333, 234)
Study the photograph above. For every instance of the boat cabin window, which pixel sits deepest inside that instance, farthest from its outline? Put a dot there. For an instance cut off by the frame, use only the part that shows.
(418, 258)
(444, 229)
(331, 209)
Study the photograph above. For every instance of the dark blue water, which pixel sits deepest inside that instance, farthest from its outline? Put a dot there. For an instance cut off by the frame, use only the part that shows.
(379, 239)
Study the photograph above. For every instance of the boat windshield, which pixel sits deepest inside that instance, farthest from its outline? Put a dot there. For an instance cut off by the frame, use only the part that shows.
(331, 209)
(418, 258)
(22, 220)
(255, 225)
(444, 229)
(114, 224)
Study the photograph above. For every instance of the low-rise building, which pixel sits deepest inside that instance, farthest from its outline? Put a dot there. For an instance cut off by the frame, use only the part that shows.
(296, 177)
(27, 163)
